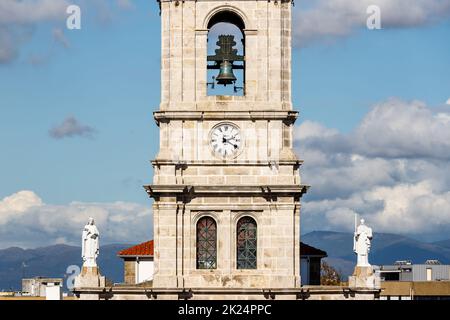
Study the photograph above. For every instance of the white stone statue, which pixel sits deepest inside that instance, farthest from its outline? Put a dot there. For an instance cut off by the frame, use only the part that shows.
(90, 276)
(90, 244)
(361, 244)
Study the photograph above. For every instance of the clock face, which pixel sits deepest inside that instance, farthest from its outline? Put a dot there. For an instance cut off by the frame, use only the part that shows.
(225, 140)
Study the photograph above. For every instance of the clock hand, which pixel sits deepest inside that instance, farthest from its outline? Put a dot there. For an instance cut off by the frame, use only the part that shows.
(234, 145)
(230, 138)
(225, 140)
(235, 140)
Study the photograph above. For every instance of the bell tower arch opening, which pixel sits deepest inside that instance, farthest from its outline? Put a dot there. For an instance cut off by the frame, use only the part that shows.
(226, 54)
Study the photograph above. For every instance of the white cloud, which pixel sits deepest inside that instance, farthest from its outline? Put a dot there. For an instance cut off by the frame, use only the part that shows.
(8, 50)
(325, 19)
(405, 129)
(393, 168)
(403, 208)
(58, 35)
(32, 11)
(38, 59)
(18, 19)
(310, 129)
(25, 220)
(448, 102)
(415, 207)
(125, 4)
(392, 129)
(15, 205)
(71, 127)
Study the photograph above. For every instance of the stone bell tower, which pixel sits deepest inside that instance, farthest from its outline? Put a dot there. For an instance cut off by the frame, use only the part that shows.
(226, 185)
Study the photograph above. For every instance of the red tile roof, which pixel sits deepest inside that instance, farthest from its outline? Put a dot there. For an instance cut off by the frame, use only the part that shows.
(307, 250)
(143, 249)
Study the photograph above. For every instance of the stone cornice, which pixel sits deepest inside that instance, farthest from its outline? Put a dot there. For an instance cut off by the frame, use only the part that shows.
(305, 292)
(290, 116)
(238, 190)
(202, 163)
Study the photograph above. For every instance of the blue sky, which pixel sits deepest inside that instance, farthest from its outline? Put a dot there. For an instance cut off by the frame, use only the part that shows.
(337, 83)
(106, 76)
(109, 79)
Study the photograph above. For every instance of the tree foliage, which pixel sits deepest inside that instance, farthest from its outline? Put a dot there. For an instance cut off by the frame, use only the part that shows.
(329, 276)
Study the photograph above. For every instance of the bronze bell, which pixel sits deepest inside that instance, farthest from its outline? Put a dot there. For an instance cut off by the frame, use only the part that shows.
(226, 75)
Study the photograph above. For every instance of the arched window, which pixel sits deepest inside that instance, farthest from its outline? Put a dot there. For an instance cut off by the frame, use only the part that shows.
(226, 55)
(246, 243)
(206, 243)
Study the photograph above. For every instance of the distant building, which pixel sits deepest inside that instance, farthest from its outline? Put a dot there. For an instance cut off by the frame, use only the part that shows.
(41, 287)
(415, 290)
(407, 281)
(431, 270)
(7, 294)
(310, 260)
(138, 263)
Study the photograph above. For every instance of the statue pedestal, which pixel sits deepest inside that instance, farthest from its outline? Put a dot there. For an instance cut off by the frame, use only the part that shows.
(364, 277)
(89, 278)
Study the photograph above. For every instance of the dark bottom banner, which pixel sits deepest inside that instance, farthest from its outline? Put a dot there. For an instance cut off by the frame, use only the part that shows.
(215, 309)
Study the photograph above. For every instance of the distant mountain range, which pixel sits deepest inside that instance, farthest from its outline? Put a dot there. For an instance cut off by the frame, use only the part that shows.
(386, 249)
(52, 261)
